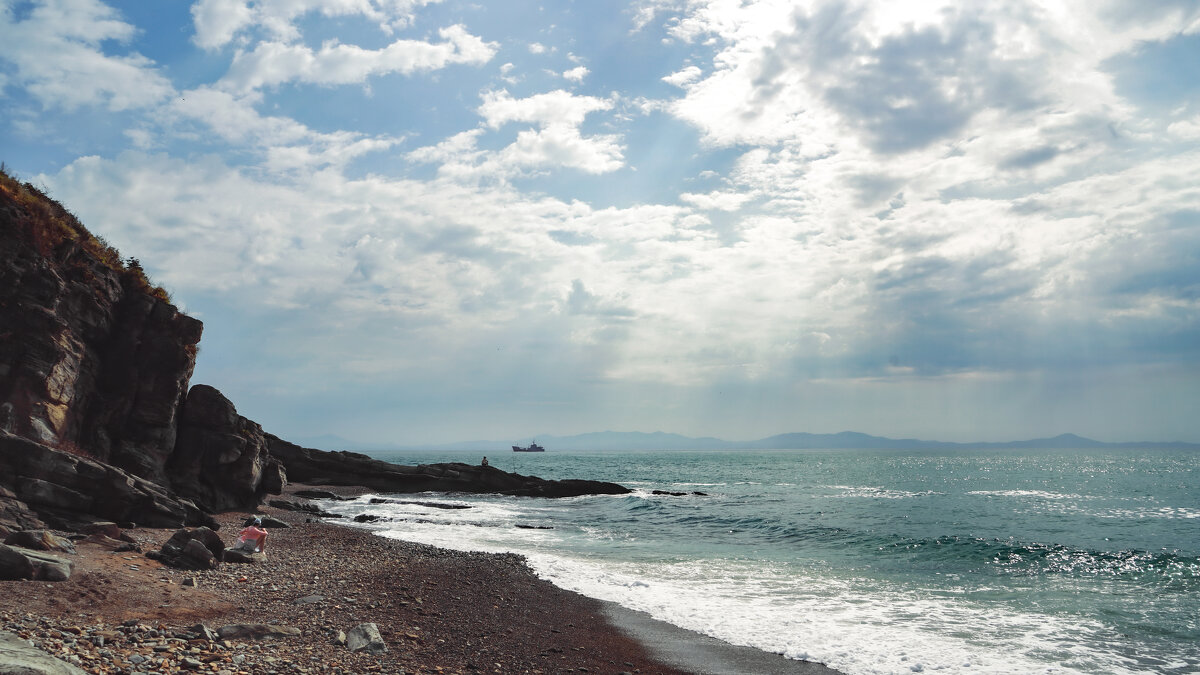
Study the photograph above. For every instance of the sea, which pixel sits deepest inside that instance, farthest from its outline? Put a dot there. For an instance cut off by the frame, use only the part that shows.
(869, 561)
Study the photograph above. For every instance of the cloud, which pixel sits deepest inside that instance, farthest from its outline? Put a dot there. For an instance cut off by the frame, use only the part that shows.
(60, 59)
(556, 140)
(217, 22)
(683, 77)
(575, 74)
(555, 107)
(273, 63)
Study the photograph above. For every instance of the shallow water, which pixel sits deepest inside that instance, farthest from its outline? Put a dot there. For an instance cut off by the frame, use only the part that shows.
(868, 561)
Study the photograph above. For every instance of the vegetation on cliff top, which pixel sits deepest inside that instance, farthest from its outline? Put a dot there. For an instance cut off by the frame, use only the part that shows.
(50, 225)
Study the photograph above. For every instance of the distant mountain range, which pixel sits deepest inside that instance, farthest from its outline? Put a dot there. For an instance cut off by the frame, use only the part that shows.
(636, 440)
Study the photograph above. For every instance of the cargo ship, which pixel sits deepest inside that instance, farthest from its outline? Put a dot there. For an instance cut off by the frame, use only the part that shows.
(533, 447)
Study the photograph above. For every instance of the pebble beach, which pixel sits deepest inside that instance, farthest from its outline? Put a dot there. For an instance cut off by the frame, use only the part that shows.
(438, 611)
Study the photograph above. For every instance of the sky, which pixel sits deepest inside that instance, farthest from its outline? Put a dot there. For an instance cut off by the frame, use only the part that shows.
(424, 221)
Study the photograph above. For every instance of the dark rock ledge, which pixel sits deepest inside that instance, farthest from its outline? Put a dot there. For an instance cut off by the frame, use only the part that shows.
(318, 467)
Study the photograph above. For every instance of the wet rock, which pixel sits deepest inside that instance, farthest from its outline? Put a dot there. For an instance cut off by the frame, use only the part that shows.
(304, 508)
(321, 494)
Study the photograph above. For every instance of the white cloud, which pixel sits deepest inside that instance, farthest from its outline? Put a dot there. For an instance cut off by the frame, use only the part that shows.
(1185, 129)
(683, 77)
(575, 74)
(537, 48)
(555, 107)
(717, 201)
(59, 58)
(217, 22)
(555, 142)
(275, 63)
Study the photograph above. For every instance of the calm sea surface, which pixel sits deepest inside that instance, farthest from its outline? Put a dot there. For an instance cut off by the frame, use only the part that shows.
(1024, 561)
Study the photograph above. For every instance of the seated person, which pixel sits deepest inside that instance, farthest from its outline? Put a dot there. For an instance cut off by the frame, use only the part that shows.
(253, 538)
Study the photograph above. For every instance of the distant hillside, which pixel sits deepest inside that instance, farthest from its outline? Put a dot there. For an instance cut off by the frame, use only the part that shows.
(635, 440)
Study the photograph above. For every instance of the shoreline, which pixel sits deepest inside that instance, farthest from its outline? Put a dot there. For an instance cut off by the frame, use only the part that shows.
(439, 611)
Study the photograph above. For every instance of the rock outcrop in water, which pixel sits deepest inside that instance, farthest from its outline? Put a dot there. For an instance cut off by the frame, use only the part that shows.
(318, 467)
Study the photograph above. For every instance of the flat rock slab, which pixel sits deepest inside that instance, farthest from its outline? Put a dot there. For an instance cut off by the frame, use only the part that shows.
(237, 555)
(18, 657)
(256, 631)
(22, 563)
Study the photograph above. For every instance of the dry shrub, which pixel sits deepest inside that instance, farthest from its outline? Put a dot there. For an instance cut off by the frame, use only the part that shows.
(50, 225)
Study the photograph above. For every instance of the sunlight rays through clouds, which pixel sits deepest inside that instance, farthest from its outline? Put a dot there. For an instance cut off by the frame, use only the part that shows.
(883, 211)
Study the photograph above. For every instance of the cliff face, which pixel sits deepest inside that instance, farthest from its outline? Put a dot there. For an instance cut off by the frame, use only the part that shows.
(87, 359)
(94, 367)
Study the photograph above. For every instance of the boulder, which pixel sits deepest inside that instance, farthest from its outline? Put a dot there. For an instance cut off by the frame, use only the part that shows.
(365, 637)
(19, 657)
(221, 459)
(191, 549)
(40, 540)
(267, 522)
(23, 563)
(108, 529)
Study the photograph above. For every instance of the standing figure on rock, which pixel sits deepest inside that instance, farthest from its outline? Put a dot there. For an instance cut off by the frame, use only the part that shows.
(253, 538)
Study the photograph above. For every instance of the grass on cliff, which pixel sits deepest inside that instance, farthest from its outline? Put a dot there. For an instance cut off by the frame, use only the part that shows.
(51, 225)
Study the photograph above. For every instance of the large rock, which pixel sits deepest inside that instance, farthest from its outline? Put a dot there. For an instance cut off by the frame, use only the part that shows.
(40, 540)
(23, 563)
(365, 637)
(221, 459)
(69, 491)
(191, 549)
(19, 657)
(318, 467)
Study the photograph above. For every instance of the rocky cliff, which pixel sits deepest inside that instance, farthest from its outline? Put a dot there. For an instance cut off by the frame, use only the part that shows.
(89, 359)
(95, 364)
(96, 418)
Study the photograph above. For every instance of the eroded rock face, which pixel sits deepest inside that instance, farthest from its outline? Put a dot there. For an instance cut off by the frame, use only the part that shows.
(222, 459)
(88, 360)
(67, 491)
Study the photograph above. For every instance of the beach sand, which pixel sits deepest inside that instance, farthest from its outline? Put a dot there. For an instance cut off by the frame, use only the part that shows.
(438, 611)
